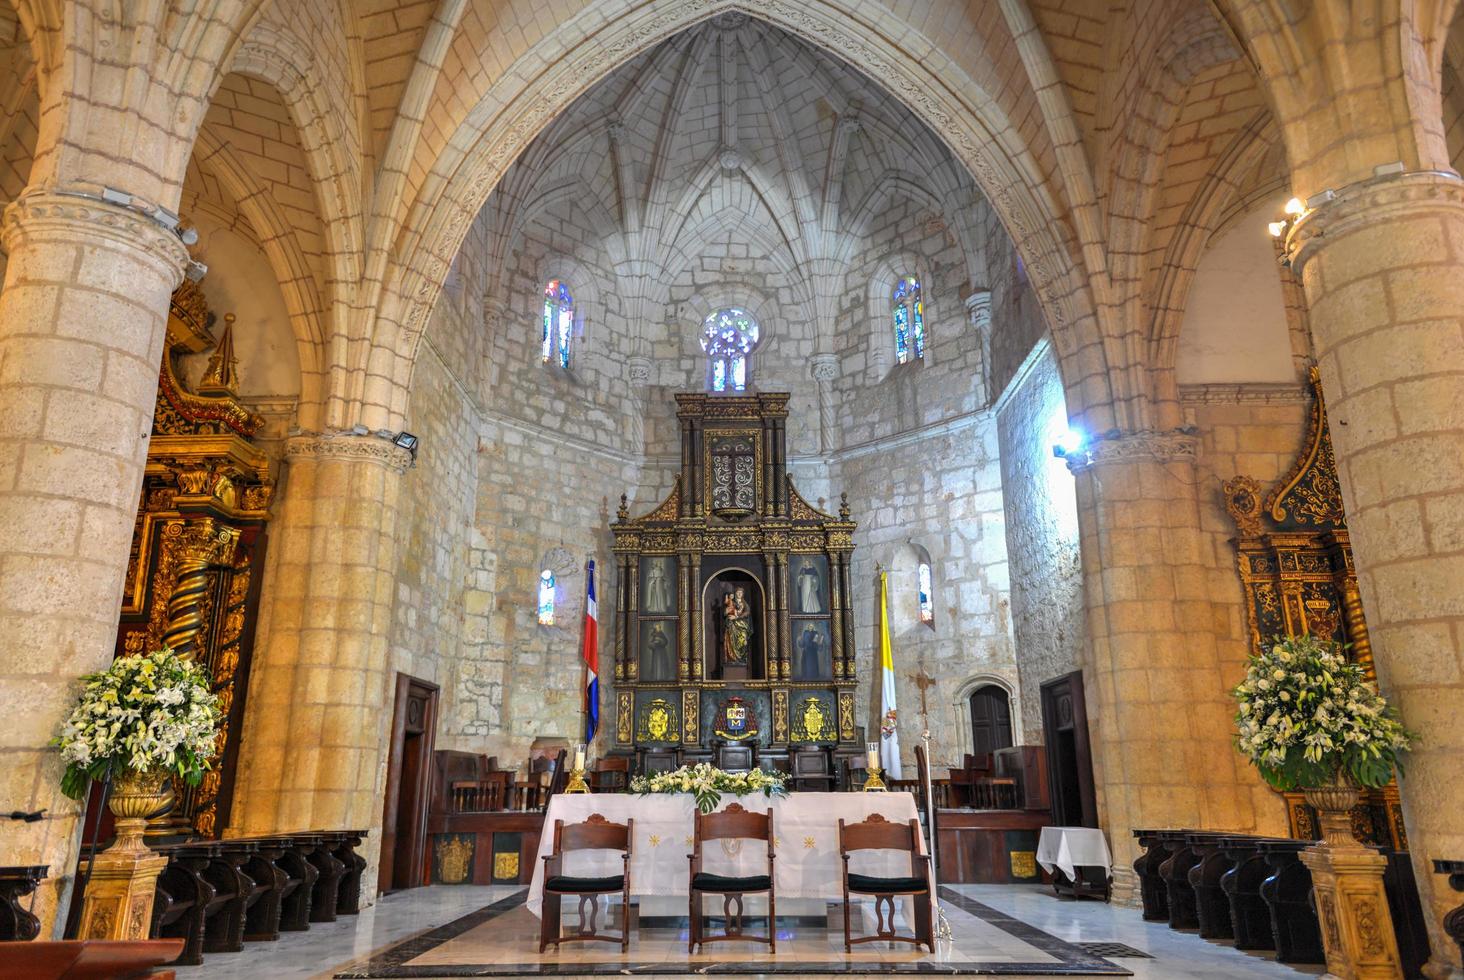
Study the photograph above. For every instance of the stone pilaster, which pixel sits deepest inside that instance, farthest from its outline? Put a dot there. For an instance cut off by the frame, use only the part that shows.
(825, 370)
(82, 320)
(316, 726)
(1383, 269)
(1156, 670)
(978, 315)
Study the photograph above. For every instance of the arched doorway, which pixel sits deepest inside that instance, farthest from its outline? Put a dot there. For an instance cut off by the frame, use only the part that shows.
(991, 720)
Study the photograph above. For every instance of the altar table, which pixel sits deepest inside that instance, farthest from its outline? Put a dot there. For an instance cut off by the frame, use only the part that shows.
(805, 828)
(1068, 848)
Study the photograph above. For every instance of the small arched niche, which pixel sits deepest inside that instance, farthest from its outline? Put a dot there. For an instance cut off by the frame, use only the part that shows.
(720, 589)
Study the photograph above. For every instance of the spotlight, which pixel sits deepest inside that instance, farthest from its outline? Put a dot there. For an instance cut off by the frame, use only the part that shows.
(1277, 228)
(406, 441)
(1070, 442)
(1295, 208)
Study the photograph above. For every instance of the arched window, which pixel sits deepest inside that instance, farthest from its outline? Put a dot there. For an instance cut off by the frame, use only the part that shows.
(728, 337)
(909, 316)
(558, 322)
(927, 602)
(546, 598)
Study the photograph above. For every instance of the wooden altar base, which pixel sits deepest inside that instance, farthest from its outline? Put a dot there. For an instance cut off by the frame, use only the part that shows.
(502, 940)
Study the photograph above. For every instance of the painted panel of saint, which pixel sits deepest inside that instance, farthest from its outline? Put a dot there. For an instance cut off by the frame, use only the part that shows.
(812, 655)
(658, 586)
(658, 650)
(810, 584)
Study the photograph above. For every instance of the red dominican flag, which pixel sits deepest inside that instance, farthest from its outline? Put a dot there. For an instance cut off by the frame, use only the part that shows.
(592, 658)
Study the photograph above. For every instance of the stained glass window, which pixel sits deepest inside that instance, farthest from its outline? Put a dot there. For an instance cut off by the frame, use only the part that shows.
(546, 598)
(909, 317)
(927, 605)
(728, 337)
(558, 328)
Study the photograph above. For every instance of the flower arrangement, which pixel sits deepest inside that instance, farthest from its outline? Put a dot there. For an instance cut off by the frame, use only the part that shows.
(153, 711)
(707, 783)
(1308, 716)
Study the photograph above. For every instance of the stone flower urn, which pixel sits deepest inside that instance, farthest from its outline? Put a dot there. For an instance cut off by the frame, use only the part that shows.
(119, 892)
(135, 797)
(1334, 801)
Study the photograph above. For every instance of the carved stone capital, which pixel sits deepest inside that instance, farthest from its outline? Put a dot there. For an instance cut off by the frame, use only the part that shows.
(978, 309)
(1147, 445)
(1370, 202)
(638, 370)
(348, 446)
(54, 216)
(824, 367)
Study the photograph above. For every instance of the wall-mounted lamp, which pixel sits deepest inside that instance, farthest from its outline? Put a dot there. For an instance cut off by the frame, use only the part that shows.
(407, 441)
(1069, 442)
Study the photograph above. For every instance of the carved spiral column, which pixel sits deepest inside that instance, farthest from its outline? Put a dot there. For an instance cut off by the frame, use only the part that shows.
(683, 628)
(622, 616)
(1384, 281)
(836, 604)
(1357, 627)
(82, 320)
(695, 630)
(201, 545)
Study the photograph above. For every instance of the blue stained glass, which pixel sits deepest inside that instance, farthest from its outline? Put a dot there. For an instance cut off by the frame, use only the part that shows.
(546, 598)
(728, 337)
(927, 607)
(558, 322)
(919, 329)
(909, 320)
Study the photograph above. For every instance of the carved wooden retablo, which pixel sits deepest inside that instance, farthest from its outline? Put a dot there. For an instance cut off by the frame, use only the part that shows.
(734, 617)
(198, 546)
(1295, 562)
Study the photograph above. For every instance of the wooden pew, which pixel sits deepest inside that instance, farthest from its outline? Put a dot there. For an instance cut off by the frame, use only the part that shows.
(1158, 846)
(1250, 916)
(1287, 893)
(1212, 907)
(185, 898)
(16, 882)
(1454, 921)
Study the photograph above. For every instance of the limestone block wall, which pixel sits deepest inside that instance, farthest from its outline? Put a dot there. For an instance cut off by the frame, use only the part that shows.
(874, 396)
(1049, 625)
(934, 495)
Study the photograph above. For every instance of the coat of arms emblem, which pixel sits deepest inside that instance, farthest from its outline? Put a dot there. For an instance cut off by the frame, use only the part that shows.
(735, 720)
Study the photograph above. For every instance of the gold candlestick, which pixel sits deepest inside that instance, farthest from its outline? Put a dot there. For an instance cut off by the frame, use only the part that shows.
(873, 784)
(576, 782)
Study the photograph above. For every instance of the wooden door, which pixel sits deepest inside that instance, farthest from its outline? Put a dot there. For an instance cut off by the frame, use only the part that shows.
(1069, 756)
(991, 720)
(409, 767)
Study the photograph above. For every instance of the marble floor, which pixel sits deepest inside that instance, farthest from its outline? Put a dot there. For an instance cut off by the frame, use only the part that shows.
(479, 931)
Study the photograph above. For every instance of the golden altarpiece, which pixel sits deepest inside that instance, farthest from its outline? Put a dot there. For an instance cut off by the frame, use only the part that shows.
(1295, 564)
(734, 620)
(193, 576)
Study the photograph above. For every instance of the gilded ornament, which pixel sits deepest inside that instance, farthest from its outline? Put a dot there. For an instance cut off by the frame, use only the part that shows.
(454, 852)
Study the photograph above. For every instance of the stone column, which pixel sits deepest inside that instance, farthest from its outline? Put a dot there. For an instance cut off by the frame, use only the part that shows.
(1383, 269)
(1156, 672)
(82, 318)
(978, 315)
(825, 368)
(314, 748)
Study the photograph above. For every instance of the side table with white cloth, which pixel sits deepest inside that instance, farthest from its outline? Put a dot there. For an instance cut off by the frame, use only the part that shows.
(805, 828)
(1078, 860)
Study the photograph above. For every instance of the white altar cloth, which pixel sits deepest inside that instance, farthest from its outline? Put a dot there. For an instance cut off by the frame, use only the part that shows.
(1069, 847)
(805, 828)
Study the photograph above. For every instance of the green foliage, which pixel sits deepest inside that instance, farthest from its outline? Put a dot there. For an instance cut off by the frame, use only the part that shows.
(1306, 714)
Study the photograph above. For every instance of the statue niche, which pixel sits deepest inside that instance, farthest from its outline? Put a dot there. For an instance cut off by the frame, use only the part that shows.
(733, 641)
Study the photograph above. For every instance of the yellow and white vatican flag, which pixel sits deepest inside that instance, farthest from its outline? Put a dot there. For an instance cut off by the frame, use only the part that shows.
(889, 735)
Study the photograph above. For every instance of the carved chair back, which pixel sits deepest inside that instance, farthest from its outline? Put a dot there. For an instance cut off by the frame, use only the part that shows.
(594, 834)
(610, 774)
(732, 823)
(877, 833)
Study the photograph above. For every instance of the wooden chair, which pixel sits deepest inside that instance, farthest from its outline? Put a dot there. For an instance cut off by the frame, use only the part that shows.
(811, 769)
(610, 775)
(877, 833)
(736, 756)
(595, 834)
(733, 823)
(856, 772)
(652, 761)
